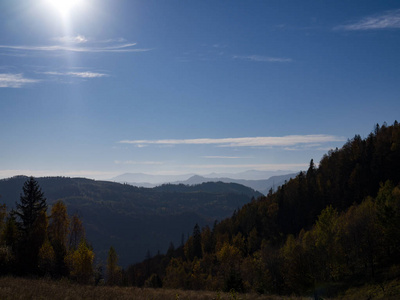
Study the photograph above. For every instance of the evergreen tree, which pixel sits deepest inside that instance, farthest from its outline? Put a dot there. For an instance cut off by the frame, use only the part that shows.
(32, 204)
(197, 251)
(32, 223)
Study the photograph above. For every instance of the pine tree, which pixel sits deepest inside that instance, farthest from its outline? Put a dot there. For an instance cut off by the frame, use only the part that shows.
(32, 204)
(32, 223)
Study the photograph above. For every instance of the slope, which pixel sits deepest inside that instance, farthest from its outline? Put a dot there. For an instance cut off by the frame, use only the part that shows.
(135, 220)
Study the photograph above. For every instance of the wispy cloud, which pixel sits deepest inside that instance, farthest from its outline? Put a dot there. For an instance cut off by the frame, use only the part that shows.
(15, 80)
(78, 39)
(386, 20)
(289, 140)
(223, 157)
(133, 162)
(260, 58)
(115, 48)
(259, 167)
(86, 74)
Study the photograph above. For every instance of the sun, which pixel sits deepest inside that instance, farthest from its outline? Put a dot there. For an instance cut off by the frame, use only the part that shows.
(64, 6)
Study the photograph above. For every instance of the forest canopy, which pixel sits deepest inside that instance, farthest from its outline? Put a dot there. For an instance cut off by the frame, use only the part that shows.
(337, 223)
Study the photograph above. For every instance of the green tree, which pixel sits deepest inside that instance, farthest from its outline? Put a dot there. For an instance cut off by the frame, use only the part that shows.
(197, 249)
(32, 203)
(32, 222)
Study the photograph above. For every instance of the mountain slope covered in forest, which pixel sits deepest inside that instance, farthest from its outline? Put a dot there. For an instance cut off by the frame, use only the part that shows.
(336, 225)
(135, 220)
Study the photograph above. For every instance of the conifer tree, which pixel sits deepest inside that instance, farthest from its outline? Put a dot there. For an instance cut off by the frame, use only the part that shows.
(197, 251)
(32, 203)
(32, 223)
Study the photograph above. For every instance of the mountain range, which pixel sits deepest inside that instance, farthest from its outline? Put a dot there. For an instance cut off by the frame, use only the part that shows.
(261, 181)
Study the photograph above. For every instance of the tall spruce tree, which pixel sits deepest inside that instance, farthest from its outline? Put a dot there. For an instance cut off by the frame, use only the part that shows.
(197, 250)
(32, 222)
(32, 204)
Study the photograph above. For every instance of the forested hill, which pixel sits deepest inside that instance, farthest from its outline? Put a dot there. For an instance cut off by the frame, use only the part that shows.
(209, 187)
(135, 220)
(336, 223)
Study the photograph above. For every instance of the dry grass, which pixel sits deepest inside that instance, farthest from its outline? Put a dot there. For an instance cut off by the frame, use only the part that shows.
(20, 288)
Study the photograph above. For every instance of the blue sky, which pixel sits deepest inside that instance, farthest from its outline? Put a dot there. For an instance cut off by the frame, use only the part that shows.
(106, 87)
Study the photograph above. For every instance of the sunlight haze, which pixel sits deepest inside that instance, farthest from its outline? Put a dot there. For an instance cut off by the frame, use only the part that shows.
(99, 88)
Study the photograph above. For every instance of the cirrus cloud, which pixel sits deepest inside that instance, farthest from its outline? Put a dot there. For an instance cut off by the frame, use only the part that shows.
(15, 80)
(260, 58)
(289, 140)
(86, 74)
(386, 20)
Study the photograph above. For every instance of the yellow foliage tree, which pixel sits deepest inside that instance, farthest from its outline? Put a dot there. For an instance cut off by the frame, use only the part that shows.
(80, 263)
(46, 258)
(114, 275)
(59, 222)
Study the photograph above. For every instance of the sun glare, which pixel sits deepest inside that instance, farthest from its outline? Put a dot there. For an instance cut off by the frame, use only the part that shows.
(64, 6)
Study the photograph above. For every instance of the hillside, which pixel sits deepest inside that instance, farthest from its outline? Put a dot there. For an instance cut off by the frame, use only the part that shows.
(135, 220)
(329, 229)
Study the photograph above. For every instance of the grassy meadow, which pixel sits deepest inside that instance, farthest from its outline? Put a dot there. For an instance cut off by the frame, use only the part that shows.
(21, 288)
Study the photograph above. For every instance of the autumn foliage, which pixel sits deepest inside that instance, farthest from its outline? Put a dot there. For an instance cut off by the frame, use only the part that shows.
(335, 225)
(34, 243)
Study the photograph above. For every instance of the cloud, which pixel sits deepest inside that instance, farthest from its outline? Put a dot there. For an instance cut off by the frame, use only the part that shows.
(86, 74)
(259, 167)
(132, 162)
(15, 81)
(285, 141)
(223, 157)
(386, 20)
(110, 49)
(259, 58)
(71, 39)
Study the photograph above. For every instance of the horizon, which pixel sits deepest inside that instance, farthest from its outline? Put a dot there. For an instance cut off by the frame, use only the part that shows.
(167, 177)
(102, 88)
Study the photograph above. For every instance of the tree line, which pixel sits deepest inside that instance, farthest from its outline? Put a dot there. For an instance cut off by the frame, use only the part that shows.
(33, 243)
(335, 224)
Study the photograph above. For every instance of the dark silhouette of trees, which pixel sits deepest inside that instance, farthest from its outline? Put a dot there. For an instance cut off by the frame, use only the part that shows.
(31, 243)
(197, 249)
(32, 203)
(32, 223)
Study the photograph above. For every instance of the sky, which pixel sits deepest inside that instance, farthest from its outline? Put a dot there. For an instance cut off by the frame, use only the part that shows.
(97, 88)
